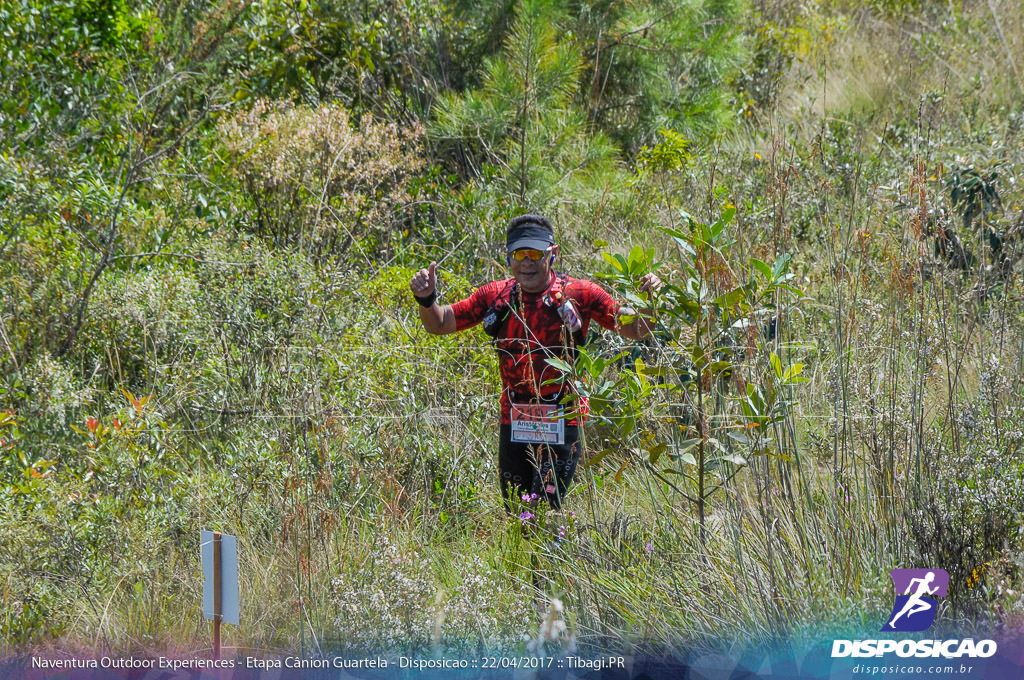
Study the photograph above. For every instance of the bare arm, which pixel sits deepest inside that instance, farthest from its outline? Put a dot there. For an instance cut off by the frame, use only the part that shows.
(436, 319)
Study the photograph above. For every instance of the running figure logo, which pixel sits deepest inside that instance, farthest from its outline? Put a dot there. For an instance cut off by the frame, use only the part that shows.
(915, 607)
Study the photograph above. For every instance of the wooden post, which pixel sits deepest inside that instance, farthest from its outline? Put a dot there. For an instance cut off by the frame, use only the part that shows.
(217, 598)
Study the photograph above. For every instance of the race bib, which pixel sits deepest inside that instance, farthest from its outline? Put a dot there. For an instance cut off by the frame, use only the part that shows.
(537, 424)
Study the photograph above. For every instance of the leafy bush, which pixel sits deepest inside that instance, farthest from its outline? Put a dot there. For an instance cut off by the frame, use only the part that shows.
(725, 391)
(969, 510)
(313, 181)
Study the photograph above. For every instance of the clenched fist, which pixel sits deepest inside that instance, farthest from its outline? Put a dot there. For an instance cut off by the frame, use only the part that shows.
(650, 284)
(424, 281)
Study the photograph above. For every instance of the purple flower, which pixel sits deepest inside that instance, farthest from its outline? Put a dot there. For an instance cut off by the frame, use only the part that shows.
(649, 547)
(525, 515)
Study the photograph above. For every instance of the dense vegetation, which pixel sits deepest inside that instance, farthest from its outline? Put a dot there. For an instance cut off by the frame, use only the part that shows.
(209, 214)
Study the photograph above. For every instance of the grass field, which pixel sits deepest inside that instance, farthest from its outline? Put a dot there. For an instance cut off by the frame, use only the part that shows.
(835, 389)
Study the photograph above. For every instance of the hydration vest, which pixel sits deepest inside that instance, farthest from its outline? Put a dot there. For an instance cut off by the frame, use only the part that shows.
(496, 317)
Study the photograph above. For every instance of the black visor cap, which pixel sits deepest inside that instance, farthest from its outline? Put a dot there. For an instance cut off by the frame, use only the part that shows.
(529, 235)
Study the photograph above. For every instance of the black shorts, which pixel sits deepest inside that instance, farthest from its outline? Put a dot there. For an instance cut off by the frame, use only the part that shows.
(543, 469)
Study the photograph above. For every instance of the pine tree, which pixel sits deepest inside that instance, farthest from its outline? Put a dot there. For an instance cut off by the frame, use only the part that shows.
(524, 120)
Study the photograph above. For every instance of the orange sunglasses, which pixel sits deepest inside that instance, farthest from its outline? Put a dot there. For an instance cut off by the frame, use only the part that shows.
(531, 254)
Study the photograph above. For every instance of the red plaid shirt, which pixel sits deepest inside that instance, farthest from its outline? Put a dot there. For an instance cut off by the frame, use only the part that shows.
(534, 332)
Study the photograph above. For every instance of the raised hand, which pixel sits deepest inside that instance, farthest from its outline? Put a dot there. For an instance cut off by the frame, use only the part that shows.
(424, 281)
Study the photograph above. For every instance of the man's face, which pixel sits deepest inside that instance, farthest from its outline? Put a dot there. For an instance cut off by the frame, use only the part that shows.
(533, 276)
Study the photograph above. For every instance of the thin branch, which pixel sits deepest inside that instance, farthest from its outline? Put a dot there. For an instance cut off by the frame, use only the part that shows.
(654, 471)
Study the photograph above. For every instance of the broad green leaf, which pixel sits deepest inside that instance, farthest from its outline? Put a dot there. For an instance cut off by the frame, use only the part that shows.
(720, 366)
(781, 263)
(762, 267)
(611, 260)
(596, 458)
(636, 259)
(716, 229)
(792, 372)
(559, 364)
(738, 436)
(686, 246)
(730, 299)
(684, 446)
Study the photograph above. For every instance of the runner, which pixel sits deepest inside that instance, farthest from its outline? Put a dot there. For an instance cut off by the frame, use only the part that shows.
(536, 314)
(916, 603)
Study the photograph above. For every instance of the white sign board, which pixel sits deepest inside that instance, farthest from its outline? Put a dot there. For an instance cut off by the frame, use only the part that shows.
(228, 577)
